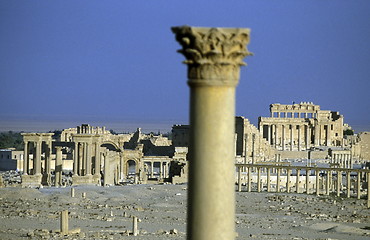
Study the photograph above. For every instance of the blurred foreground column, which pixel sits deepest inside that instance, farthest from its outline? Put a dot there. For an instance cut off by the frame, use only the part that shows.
(214, 57)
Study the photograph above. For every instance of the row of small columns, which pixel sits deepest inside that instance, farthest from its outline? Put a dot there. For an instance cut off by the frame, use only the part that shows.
(344, 160)
(274, 133)
(82, 162)
(331, 183)
(275, 128)
(37, 158)
(163, 168)
(300, 114)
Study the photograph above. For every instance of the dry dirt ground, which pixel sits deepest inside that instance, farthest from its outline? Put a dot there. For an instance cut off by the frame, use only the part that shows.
(106, 213)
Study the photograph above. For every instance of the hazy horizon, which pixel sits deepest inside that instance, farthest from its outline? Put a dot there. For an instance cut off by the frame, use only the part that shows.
(119, 126)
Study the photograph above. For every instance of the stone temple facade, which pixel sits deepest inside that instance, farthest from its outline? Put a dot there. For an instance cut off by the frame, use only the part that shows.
(301, 127)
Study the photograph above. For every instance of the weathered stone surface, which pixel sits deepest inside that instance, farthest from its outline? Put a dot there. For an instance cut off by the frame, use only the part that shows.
(213, 55)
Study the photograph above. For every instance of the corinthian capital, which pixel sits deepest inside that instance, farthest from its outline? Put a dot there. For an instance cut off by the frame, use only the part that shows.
(213, 55)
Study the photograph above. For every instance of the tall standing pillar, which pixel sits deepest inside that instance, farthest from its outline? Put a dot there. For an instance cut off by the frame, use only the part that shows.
(80, 158)
(283, 137)
(121, 165)
(299, 137)
(75, 159)
(37, 159)
(58, 166)
(97, 159)
(47, 172)
(214, 57)
(26, 158)
(328, 135)
(317, 133)
(291, 137)
(307, 136)
(88, 158)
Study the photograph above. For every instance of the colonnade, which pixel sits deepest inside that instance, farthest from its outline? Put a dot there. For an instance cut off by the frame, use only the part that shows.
(86, 159)
(297, 136)
(343, 160)
(309, 180)
(41, 173)
(164, 167)
(289, 136)
(293, 114)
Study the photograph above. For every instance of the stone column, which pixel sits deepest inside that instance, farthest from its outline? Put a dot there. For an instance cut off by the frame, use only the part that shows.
(134, 226)
(328, 135)
(26, 158)
(274, 134)
(58, 166)
(47, 172)
(277, 142)
(97, 159)
(288, 180)
(64, 222)
(214, 56)
(299, 137)
(282, 137)
(80, 158)
(88, 158)
(253, 148)
(308, 137)
(291, 137)
(278, 180)
(317, 132)
(151, 169)
(160, 169)
(121, 166)
(297, 180)
(106, 169)
(75, 159)
(37, 159)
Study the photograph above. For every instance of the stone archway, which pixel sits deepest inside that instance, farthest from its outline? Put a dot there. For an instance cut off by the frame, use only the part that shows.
(112, 146)
(131, 166)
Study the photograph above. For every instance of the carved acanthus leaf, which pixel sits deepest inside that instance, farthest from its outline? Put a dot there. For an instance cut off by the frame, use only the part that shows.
(224, 46)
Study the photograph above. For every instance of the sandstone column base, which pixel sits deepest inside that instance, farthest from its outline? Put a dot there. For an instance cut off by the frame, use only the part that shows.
(31, 180)
(86, 180)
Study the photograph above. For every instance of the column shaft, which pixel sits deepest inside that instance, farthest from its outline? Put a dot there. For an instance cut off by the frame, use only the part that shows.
(37, 159)
(88, 158)
(97, 159)
(214, 56)
(26, 158)
(58, 166)
(75, 159)
(282, 137)
(291, 137)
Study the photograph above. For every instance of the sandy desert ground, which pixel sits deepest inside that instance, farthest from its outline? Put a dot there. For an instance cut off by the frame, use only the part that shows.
(106, 213)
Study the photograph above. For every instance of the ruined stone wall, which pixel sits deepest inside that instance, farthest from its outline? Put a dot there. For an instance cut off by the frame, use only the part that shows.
(180, 135)
(250, 143)
(360, 146)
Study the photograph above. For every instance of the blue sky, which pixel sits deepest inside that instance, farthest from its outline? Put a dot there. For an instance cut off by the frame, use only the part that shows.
(114, 63)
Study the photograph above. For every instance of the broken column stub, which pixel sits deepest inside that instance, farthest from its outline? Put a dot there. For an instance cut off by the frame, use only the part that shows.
(214, 57)
(64, 222)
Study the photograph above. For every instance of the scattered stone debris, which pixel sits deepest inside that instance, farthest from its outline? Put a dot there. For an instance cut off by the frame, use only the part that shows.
(107, 213)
